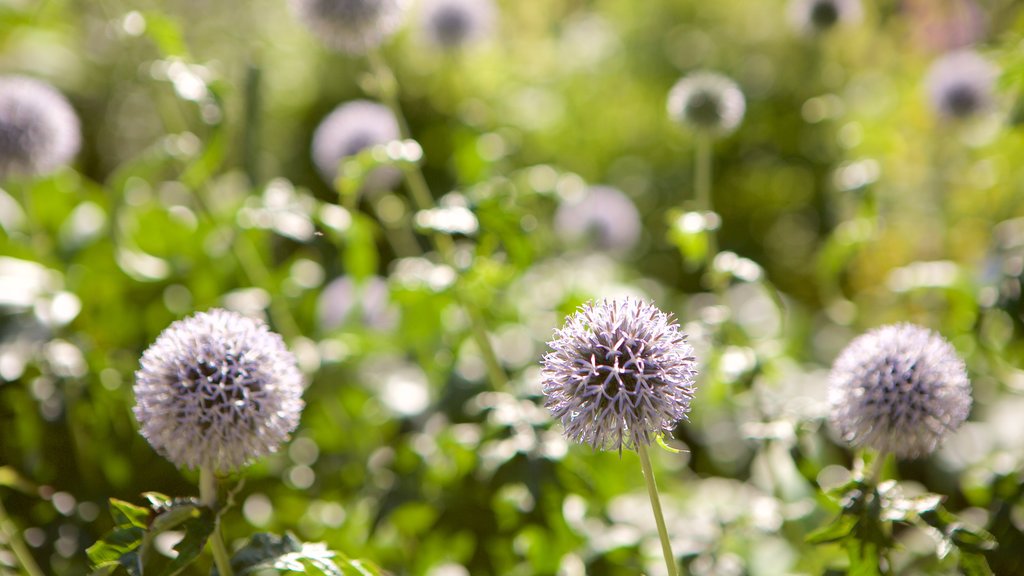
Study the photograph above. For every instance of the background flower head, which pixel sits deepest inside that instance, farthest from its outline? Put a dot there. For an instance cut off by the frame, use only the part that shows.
(707, 102)
(217, 389)
(452, 23)
(899, 388)
(602, 217)
(39, 130)
(351, 26)
(818, 16)
(370, 299)
(618, 372)
(961, 84)
(349, 129)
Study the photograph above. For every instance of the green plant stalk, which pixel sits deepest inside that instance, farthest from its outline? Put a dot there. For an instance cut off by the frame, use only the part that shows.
(21, 553)
(702, 186)
(251, 140)
(208, 496)
(659, 518)
(419, 190)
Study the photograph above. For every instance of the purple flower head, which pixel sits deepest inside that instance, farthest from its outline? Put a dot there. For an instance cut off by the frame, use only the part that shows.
(961, 84)
(343, 298)
(899, 388)
(450, 24)
(707, 102)
(217, 389)
(351, 26)
(819, 16)
(349, 129)
(39, 130)
(619, 372)
(602, 217)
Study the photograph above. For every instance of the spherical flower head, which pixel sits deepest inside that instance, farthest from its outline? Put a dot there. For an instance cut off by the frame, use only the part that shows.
(961, 84)
(350, 26)
(39, 130)
(217, 390)
(619, 372)
(707, 102)
(899, 388)
(603, 216)
(344, 297)
(819, 16)
(349, 129)
(449, 24)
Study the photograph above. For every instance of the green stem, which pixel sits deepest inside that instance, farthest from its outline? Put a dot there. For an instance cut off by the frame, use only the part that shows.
(21, 553)
(659, 518)
(419, 191)
(251, 142)
(702, 186)
(208, 496)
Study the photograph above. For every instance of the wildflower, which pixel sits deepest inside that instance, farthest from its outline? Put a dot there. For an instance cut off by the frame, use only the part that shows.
(961, 84)
(343, 298)
(619, 371)
(349, 129)
(217, 390)
(351, 26)
(39, 130)
(899, 388)
(707, 102)
(602, 216)
(453, 23)
(818, 16)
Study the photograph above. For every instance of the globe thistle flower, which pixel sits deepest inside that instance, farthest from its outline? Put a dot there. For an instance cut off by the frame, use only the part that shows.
(707, 102)
(217, 390)
(348, 130)
(450, 24)
(343, 298)
(603, 216)
(39, 130)
(961, 84)
(350, 26)
(618, 372)
(899, 388)
(819, 16)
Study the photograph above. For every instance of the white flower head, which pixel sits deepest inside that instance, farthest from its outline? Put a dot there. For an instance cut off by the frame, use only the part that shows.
(218, 390)
(899, 388)
(962, 84)
(707, 102)
(603, 217)
(619, 372)
(39, 130)
(351, 26)
(349, 129)
(450, 24)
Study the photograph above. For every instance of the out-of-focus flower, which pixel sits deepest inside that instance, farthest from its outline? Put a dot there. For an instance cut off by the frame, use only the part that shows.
(961, 84)
(619, 372)
(39, 130)
(217, 390)
(818, 16)
(602, 217)
(450, 24)
(369, 300)
(349, 129)
(944, 26)
(351, 26)
(899, 388)
(707, 102)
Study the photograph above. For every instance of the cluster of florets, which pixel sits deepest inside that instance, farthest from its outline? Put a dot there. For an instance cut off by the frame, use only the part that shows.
(349, 129)
(619, 372)
(962, 84)
(819, 16)
(352, 26)
(602, 217)
(707, 102)
(450, 24)
(39, 130)
(217, 390)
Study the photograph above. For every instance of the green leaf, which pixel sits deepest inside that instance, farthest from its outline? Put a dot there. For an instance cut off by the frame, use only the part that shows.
(836, 530)
(127, 514)
(974, 565)
(268, 554)
(660, 439)
(360, 252)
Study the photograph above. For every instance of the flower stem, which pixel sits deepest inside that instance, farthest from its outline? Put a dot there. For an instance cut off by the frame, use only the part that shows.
(659, 518)
(702, 185)
(208, 496)
(419, 191)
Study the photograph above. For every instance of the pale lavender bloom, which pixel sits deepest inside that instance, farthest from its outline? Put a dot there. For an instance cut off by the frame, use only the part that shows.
(899, 388)
(218, 390)
(818, 16)
(619, 372)
(450, 24)
(343, 298)
(39, 130)
(349, 129)
(351, 26)
(603, 217)
(961, 84)
(707, 102)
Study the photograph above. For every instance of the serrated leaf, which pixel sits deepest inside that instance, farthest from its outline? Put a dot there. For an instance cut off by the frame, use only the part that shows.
(128, 514)
(834, 531)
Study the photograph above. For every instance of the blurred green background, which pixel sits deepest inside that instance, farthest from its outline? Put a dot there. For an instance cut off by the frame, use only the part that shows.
(845, 203)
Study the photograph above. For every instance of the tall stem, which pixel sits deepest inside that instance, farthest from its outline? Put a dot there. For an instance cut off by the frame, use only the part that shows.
(659, 518)
(208, 496)
(419, 190)
(702, 186)
(21, 552)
